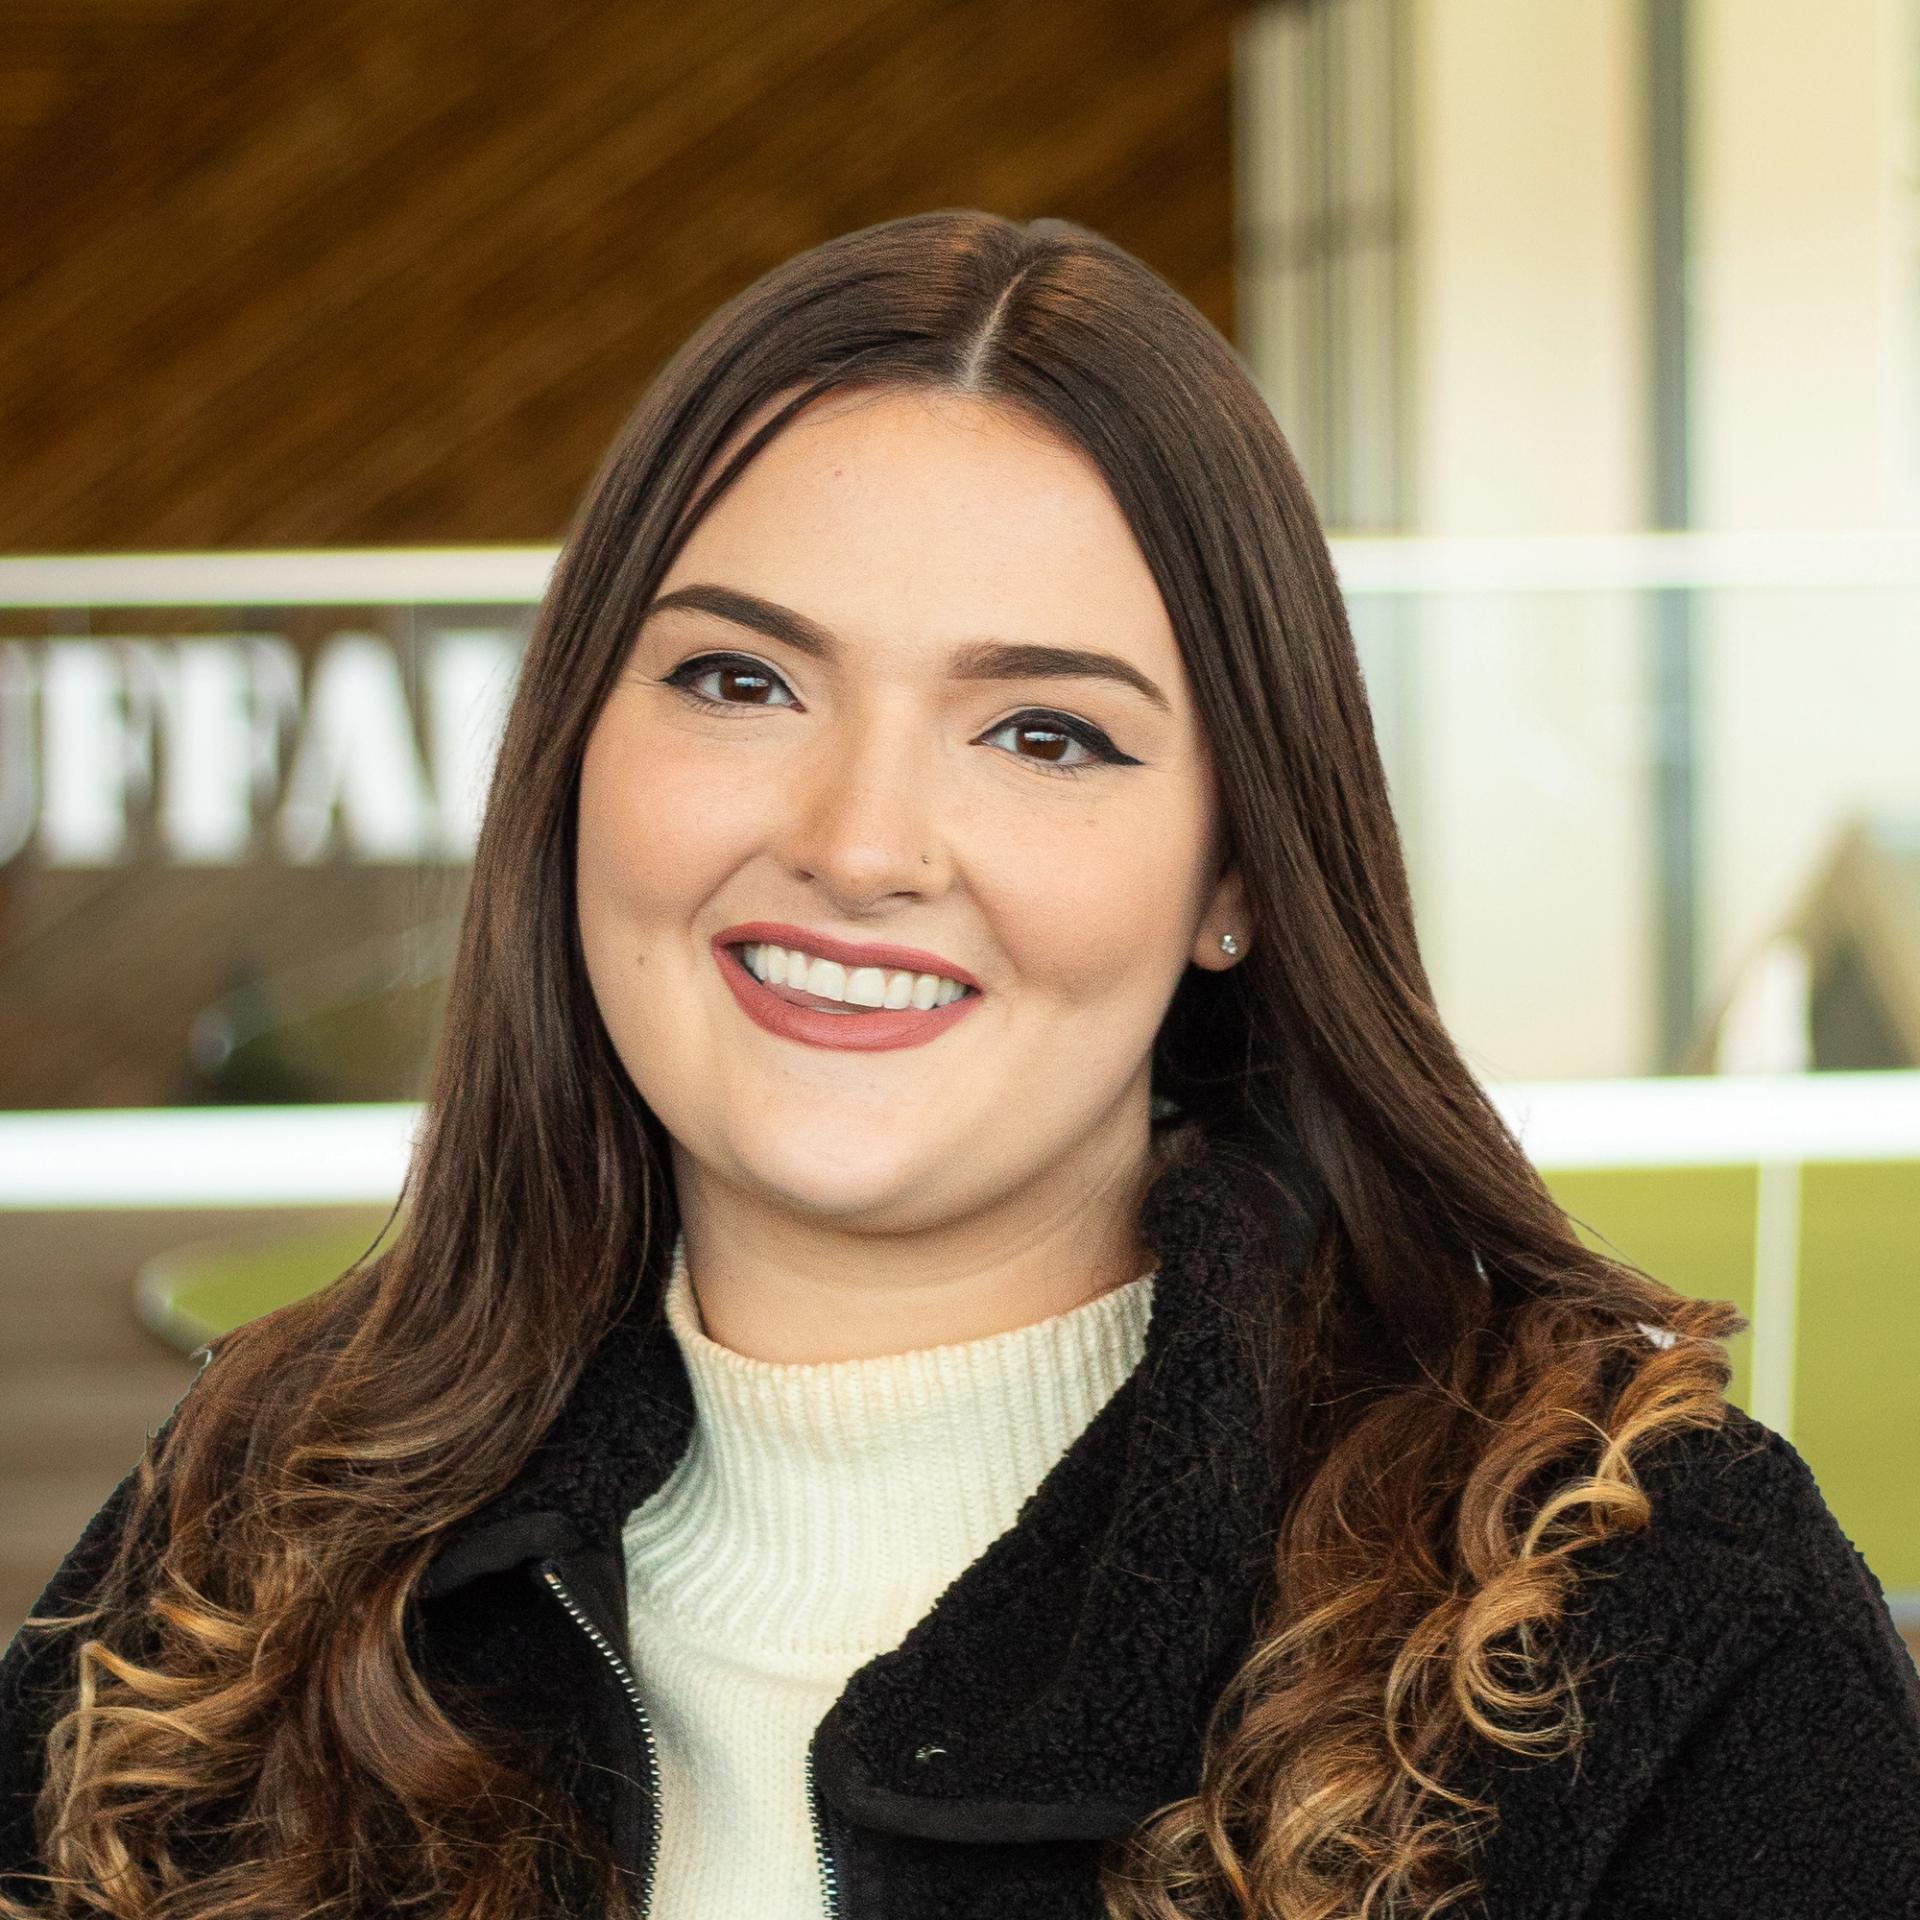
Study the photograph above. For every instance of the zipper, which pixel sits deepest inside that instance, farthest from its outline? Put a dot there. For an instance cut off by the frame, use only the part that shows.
(822, 1845)
(550, 1574)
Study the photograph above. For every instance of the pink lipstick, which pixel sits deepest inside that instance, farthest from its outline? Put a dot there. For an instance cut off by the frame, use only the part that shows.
(866, 1030)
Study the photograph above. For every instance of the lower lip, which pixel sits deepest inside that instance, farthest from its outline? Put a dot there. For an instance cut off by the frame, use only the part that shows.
(865, 1032)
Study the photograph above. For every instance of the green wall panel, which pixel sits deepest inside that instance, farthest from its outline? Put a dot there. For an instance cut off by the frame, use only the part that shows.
(1856, 1414)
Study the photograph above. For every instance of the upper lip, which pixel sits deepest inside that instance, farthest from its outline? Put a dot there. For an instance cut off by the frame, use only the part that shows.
(850, 953)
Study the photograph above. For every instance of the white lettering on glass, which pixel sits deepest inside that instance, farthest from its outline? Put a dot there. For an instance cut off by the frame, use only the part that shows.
(212, 750)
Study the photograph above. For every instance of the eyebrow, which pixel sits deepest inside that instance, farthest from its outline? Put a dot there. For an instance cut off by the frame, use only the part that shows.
(972, 660)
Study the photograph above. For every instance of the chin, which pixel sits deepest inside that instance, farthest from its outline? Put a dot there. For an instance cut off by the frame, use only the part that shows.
(894, 1187)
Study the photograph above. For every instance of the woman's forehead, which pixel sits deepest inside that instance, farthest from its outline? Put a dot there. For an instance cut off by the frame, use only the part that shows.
(931, 526)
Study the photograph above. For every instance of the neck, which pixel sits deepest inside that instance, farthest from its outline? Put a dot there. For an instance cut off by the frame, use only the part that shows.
(783, 1289)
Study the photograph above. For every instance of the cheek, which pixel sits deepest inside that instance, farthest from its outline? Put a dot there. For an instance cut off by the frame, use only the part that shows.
(1103, 912)
(652, 832)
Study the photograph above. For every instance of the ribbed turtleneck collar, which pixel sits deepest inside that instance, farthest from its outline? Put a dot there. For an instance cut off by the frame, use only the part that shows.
(822, 1506)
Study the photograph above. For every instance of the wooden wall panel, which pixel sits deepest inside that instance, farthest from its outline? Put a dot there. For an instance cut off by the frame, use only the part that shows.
(359, 272)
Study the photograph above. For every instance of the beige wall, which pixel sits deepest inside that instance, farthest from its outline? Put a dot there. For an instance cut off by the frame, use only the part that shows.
(1528, 826)
(1529, 314)
(1518, 727)
(1807, 350)
(1802, 337)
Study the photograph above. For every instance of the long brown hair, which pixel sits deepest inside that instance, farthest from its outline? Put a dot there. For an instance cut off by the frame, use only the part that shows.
(1454, 1348)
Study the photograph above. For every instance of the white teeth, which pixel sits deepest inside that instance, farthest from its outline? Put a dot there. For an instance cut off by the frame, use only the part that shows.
(860, 987)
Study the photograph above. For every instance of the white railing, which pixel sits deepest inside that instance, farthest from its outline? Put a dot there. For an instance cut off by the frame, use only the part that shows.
(246, 1157)
(1366, 563)
(311, 577)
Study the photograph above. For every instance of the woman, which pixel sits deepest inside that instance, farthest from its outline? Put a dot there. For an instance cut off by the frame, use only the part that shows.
(963, 1341)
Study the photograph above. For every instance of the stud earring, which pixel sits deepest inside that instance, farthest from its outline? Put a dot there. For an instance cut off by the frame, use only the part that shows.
(1228, 944)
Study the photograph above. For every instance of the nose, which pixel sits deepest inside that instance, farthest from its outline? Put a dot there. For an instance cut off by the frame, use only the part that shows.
(867, 817)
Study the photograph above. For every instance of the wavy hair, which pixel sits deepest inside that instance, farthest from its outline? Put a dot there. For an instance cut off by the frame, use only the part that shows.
(1469, 1384)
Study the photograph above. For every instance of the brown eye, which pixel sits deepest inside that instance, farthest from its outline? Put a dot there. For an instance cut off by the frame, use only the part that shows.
(1063, 734)
(731, 670)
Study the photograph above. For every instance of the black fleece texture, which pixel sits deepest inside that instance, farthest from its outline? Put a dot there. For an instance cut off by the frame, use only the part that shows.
(1753, 1719)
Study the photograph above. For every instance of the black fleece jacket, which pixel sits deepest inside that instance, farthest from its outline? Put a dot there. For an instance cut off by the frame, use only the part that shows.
(1753, 1722)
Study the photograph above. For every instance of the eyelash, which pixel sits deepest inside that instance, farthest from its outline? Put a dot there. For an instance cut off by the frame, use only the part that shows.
(1081, 731)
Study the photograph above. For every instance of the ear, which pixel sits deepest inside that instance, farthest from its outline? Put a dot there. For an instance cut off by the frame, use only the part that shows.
(1226, 913)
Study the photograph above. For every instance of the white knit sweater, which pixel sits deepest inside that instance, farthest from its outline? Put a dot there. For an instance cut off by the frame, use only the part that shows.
(820, 1509)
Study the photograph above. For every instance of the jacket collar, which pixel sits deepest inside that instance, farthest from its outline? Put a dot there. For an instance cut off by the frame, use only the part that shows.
(1058, 1687)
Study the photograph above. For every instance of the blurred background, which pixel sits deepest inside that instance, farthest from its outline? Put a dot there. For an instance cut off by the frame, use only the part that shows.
(1595, 327)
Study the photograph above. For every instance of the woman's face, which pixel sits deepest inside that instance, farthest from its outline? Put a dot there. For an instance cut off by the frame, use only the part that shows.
(876, 776)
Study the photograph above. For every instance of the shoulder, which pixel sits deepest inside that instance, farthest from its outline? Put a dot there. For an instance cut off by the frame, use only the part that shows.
(1741, 1557)
(38, 1665)
(1788, 1782)
(1744, 1694)
(1740, 1534)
